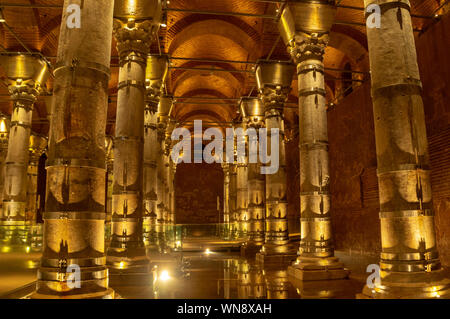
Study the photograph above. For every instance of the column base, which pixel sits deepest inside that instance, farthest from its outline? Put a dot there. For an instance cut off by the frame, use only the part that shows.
(107, 294)
(326, 289)
(315, 268)
(131, 266)
(416, 285)
(281, 255)
(249, 249)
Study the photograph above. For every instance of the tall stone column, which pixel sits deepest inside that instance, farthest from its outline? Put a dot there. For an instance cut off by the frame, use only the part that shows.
(305, 26)
(135, 26)
(4, 137)
(157, 69)
(252, 111)
(38, 145)
(274, 81)
(242, 185)
(233, 200)
(75, 207)
(410, 266)
(226, 201)
(109, 147)
(26, 76)
(164, 109)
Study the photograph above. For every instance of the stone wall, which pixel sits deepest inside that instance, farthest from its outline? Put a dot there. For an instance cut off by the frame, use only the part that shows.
(196, 189)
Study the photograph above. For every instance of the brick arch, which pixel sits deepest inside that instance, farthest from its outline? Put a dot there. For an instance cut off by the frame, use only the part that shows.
(219, 65)
(201, 29)
(222, 82)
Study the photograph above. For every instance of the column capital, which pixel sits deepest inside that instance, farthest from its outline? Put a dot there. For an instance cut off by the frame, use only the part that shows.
(252, 110)
(304, 27)
(38, 145)
(274, 81)
(26, 75)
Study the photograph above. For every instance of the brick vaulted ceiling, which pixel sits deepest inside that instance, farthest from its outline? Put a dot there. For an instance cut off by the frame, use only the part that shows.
(227, 35)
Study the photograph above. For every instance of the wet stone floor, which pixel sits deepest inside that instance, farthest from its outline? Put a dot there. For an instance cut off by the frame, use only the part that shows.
(199, 275)
(215, 275)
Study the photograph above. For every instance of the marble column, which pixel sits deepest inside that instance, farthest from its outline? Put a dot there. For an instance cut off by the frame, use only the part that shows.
(274, 81)
(26, 77)
(38, 145)
(410, 266)
(157, 69)
(74, 214)
(135, 26)
(252, 111)
(305, 26)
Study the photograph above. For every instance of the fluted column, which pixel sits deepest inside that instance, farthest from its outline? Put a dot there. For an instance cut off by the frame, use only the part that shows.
(274, 84)
(305, 27)
(410, 266)
(75, 207)
(135, 26)
(252, 111)
(37, 147)
(242, 185)
(26, 77)
(157, 68)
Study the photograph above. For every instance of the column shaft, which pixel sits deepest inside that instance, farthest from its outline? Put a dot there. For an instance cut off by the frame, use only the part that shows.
(134, 37)
(75, 207)
(409, 257)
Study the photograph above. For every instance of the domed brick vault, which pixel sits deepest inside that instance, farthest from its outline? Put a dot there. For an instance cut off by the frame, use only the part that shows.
(234, 35)
(213, 48)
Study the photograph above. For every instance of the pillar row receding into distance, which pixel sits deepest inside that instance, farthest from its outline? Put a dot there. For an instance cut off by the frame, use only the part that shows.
(252, 111)
(410, 266)
(157, 69)
(305, 27)
(26, 77)
(135, 25)
(274, 81)
(75, 208)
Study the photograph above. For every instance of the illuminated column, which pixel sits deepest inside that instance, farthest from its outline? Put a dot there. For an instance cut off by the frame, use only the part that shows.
(157, 68)
(242, 184)
(26, 77)
(410, 266)
(164, 109)
(38, 144)
(4, 137)
(226, 200)
(135, 25)
(252, 111)
(74, 215)
(274, 84)
(233, 199)
(109, 147)
(305, 26)
(173, 170)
